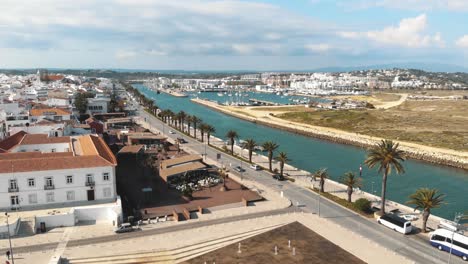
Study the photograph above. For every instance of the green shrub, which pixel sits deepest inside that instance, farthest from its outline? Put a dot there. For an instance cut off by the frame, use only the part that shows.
(362, 204)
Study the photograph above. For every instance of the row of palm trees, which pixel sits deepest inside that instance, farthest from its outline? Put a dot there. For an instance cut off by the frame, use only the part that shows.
(386, 156)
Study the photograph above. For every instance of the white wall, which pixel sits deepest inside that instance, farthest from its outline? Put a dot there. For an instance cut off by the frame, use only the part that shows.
(57, 220)
(14, 227)
(61, 186)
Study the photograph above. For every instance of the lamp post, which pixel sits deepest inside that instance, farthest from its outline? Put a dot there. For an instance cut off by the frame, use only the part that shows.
(457, 219)
(9, 240)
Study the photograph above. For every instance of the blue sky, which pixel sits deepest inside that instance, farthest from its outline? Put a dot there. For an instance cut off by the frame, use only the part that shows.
(231, 34)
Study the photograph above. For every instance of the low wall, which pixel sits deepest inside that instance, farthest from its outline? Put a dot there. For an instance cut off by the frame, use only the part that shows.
(56, 220)
(13, 228)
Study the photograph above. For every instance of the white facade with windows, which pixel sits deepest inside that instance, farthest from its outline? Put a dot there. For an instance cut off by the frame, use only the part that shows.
(29, 189)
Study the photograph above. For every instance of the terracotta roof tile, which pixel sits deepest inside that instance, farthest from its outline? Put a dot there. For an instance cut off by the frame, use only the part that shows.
(12, 141)
(103, 150)
(58, 163)
(33, 139)
(44, 111)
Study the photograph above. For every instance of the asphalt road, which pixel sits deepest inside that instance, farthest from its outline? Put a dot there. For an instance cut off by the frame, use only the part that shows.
(414, 247)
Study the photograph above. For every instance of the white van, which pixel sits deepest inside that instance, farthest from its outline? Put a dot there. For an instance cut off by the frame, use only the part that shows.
(442, 239)
(396, 223)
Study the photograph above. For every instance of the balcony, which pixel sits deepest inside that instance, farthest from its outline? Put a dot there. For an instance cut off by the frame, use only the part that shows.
(90, 183)
(49, 187)
(13, 190)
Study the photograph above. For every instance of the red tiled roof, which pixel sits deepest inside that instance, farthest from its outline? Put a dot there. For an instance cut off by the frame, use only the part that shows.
(12, 141)
(33, 155)
(58, 163)
(43, 111)
(103, 150)
(33, 139)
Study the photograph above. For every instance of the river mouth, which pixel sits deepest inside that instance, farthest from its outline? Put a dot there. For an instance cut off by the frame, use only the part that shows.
(310, 154)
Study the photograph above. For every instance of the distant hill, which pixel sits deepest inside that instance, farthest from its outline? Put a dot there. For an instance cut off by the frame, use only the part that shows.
(436, 67)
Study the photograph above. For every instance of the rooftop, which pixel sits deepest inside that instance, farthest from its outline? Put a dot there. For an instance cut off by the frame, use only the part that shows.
(131, 149)
(38, 139)
(49, 111)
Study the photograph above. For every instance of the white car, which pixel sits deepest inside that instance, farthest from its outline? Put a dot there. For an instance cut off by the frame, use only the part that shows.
(255, 167)
(171, 132)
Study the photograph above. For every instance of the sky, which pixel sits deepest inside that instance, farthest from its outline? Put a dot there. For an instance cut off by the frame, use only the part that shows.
(231, 34)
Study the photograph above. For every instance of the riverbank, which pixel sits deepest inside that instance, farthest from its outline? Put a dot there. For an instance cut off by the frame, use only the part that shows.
(435, 155)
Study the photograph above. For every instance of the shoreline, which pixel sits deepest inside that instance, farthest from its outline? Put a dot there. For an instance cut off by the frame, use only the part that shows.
(413, 151)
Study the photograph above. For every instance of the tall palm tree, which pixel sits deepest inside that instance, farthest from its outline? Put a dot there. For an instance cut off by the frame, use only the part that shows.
(203, 128)
(195, 120)
(322, 175)
(426, 199)
(282, 158)
(249, 144)
(181, 116)
(232, 135)
(349, 179)
(189, 121)
(209, 131)
(270, 146)
(386, 155)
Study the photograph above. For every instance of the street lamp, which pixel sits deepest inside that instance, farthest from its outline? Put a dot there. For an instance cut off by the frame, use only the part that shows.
(457, 219)
(9, 239)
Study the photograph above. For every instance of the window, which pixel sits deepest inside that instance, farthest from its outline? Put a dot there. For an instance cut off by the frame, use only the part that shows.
(54, 150)
(14, 200)
(105, 176)
(107, 192)
(438, 238)
(89, 178)
(460, 244)
(69, 179)
(49, 182)
(50, 197)
(31, 182)
(32, 198)
(37, 150)
(13, 185)
(70, 195)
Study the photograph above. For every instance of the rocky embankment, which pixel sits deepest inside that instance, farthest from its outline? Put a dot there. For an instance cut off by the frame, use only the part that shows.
(414, 151)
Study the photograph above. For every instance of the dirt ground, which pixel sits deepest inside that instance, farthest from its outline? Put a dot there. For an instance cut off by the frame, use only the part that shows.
(310, 247)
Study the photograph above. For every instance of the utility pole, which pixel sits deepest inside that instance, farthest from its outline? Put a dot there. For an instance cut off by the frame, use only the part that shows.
(458, 217)
(9, 240)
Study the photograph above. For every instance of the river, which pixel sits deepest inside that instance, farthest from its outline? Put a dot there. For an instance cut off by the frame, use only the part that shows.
(311, 154)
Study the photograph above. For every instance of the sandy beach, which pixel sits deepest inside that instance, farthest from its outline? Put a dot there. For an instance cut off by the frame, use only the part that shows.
(441, 156)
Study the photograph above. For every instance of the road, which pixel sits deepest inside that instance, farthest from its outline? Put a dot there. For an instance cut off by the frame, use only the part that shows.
(413, 247)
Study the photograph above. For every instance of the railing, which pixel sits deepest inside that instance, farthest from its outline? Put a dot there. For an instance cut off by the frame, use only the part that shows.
(12, 190)
(90, 183)
(49, 187)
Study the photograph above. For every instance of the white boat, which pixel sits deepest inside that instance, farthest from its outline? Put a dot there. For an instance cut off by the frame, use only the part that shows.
(220, 94)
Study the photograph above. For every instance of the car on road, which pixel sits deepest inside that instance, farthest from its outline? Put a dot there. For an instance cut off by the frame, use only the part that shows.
(171, 132)
(255, 167)
(124, 228)
(239, 169)
(181, 140)
(278, 177)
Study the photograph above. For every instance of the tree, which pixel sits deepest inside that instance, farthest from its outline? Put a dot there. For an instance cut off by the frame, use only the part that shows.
(232, 135)
(270, 147)
(282, 158)
(322, 175)
(209, 131)
(195, 120)
(81, 101)
(351, 181)
(426, 199)
(203, 128)
(386, 155)
(189, 119)
(181, 116)
(249, 144)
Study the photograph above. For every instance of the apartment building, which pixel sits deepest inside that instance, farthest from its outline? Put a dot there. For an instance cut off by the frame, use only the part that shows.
(37, 171)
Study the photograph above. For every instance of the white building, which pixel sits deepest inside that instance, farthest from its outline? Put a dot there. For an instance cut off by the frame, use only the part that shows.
(38, 171)
(98, 105)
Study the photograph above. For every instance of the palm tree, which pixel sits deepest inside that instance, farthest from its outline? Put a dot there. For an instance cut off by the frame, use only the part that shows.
(249, 144)
(195, 121)
(322, 174)
(181, 116)
(232, 135)
(282, 158)
(426, 199)
(209, 130)
(270, 146)
(349, 179)
(385, 155)
(203, 128)
(189, 120)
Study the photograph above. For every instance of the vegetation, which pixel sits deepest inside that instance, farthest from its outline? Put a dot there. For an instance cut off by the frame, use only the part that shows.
(282, 158)
(426, 199)
(81, 101)
(195, 120)
(232, 135)
(209, 131)
(362, 204)
(270, 147)
(385, 155)
(322, 175)
(351, 181)
(249, 144)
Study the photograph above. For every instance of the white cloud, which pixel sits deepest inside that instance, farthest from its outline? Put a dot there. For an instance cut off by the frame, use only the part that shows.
(415, 5)
(409, 33)
(462, 42)
(125, 54)
(318, 48)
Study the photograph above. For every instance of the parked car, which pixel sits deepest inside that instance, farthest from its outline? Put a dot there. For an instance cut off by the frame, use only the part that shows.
(278, 177)
(181, 140)
(239, 169)
(171, 132)
(124, 228)
(255, 167)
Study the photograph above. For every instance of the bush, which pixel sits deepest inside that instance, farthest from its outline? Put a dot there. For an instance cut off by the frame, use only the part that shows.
(362, 204)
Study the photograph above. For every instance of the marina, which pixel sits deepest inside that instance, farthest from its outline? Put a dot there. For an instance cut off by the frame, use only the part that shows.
(311, 154)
